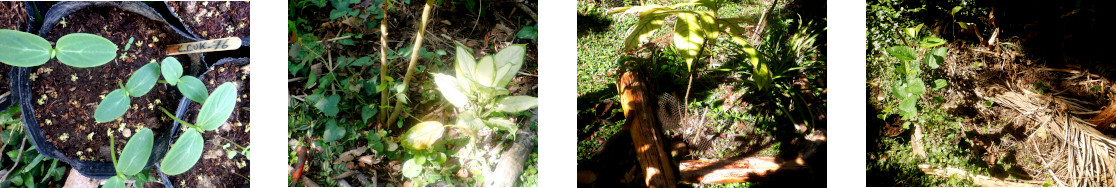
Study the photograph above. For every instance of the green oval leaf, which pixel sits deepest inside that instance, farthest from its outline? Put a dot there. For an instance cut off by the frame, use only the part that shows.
(193, 89)
(904, 53)
(143, 80)
(85, 50)
(411, 169)
(172, 70)
(134, 157)
(514, 104)
(112, 106)
(916, 87)
(423, 135)
(23, 49)
(217, 107)
(930, 41)
(332, 131)
(500, 123)
(465, 65)
(447, 85)
(509, 60)
(184, 153)
(114, 182)
(486, 71)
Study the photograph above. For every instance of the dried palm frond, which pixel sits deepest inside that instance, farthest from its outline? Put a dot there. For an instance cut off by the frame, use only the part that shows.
(1071, 151)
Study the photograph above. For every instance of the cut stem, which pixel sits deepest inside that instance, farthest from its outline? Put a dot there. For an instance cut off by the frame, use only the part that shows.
(414, 59)
(383, 67)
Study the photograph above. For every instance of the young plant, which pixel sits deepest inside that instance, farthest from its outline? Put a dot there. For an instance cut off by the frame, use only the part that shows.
(188, 148)
(117, 102)
(910, 87)
(478, 89)
(133, 159)
(478, 93)
(24, 49)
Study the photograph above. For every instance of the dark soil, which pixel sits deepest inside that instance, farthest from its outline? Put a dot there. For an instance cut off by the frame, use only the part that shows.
(66, 97)
(14, 17)
(215, 169)
(214, 19)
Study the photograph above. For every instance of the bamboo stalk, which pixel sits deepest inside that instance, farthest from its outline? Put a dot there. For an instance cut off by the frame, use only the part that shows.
(414, 59)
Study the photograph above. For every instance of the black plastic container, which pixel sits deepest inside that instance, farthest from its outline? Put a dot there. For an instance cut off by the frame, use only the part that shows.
(184, 105)
(21, 85)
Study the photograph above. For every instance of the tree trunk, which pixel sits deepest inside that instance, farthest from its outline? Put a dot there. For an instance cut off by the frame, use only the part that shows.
(647, 135)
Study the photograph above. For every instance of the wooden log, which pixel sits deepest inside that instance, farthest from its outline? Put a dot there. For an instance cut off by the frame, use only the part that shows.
(647, 135)
(509, 168)
(736, 171)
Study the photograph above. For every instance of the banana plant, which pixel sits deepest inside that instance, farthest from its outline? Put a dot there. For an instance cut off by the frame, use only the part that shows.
(692, 28)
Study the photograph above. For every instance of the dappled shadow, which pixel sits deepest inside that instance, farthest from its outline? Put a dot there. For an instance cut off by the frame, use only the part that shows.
(592, 22)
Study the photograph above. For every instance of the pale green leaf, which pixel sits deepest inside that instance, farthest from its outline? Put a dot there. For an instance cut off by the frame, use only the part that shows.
(510, 59)
(114, 182)
(112, 106)
(84, 50)
(411, 169)
(486, 71)
(450, 90)
(514, 104)
(23, 49)
(465, 67)
(501, 123)
(423, 135)
(193, 89)
(134, 157)
(143, 80)
(217, 107)
(184, 153)
(916, 87)
(172, 70)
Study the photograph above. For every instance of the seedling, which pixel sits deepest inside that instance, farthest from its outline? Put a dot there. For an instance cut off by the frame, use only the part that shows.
(910, 87)
(24, 49)
(117, 102)
(478, 93)
(188, 148)
(133, 159)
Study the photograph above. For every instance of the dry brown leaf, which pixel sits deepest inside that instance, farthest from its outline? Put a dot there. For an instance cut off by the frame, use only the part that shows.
(349, 155)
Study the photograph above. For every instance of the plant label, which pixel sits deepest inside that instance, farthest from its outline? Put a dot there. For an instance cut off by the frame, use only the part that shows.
(231, 43)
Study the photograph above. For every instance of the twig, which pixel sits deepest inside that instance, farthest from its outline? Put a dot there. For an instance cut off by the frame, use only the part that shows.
(528, 10)
(335, 39)
(16, 162)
